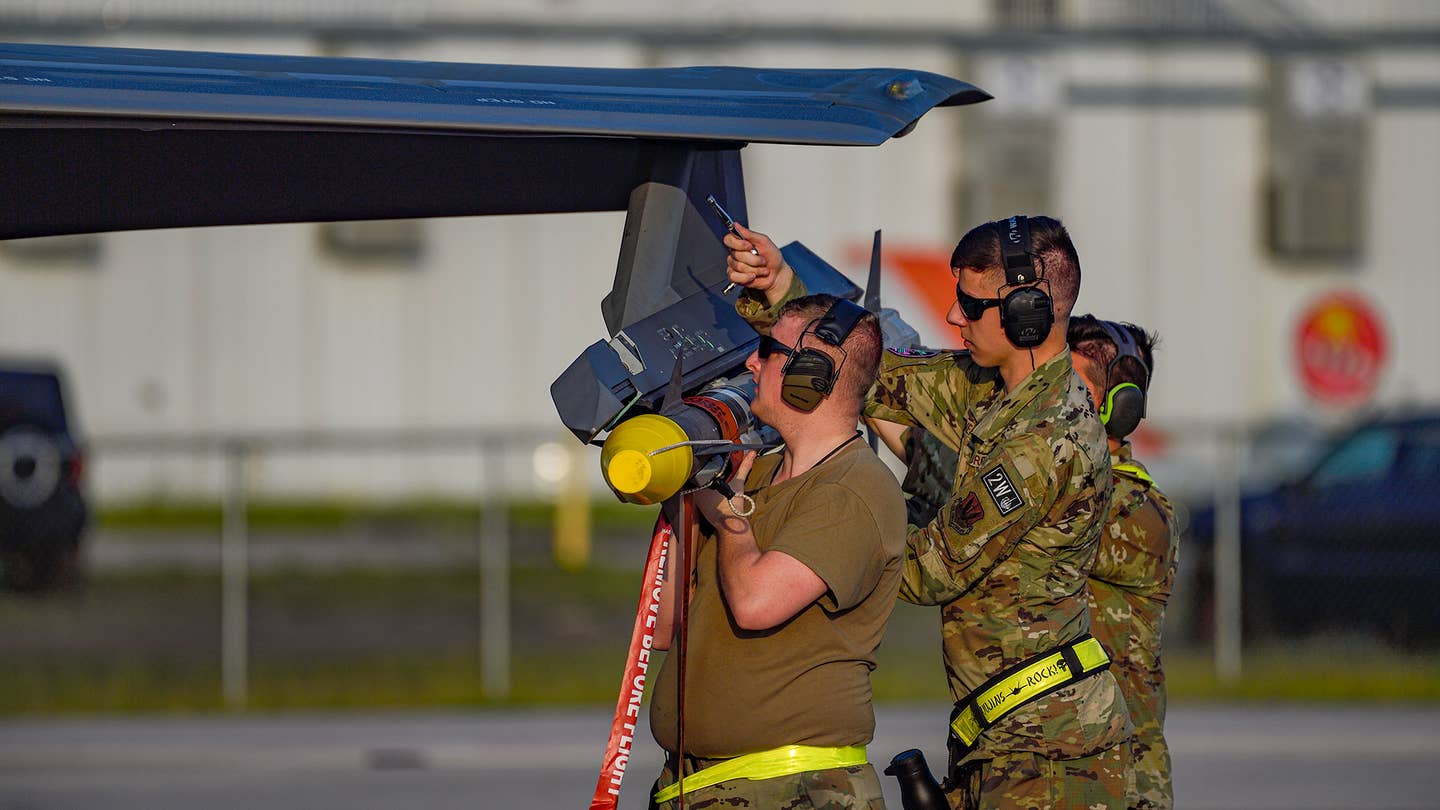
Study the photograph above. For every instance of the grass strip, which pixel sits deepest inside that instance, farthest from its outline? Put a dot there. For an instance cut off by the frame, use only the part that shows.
(149, 642)
(606, 514)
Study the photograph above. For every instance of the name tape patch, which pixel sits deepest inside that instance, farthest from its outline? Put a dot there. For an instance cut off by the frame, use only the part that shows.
(1002, 490)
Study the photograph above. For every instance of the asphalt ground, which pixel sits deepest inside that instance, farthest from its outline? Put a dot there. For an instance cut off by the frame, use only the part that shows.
(1226, 756)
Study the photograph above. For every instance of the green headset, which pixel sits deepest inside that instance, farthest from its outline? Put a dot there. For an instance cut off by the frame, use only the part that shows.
(1124, 404)
(809, 374)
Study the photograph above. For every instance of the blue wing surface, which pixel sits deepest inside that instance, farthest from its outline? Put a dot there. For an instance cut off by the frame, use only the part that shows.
(96, 139)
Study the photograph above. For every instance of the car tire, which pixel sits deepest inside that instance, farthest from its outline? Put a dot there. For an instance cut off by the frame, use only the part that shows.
(30, 467)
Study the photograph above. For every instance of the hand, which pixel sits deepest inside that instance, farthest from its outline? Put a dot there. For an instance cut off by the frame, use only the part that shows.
(763, 270)
(716, 507)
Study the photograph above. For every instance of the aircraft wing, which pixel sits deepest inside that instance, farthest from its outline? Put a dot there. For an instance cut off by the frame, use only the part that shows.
(98, 139)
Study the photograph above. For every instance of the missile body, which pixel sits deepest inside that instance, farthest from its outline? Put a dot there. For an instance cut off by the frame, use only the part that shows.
(650, 457)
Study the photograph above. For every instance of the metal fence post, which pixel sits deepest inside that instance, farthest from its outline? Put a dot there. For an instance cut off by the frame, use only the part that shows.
(234, 576)
(1227, 562)
(494, 557)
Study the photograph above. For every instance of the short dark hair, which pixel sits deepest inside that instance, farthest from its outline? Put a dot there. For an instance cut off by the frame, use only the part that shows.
(1087, 337)
(862, 347)
(1055, 257)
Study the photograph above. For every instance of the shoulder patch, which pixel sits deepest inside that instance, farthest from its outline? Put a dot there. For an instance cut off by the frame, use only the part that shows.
(965, 513)
(914, 352)
(1002, 490)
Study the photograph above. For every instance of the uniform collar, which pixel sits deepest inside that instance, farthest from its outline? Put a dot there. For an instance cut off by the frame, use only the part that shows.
(1124, 454)
(1122, 462)
(1049, 378)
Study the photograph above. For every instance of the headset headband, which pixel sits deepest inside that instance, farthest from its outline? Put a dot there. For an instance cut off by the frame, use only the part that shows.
(1125, 346)
(838, 321)
(809, 374)
(1015, 250)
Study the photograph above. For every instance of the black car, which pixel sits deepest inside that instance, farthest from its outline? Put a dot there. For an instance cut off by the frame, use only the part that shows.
(1351, 545)
(42, 509)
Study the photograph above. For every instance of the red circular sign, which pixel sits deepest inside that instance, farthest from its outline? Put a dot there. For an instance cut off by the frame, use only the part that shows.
(1341, 348)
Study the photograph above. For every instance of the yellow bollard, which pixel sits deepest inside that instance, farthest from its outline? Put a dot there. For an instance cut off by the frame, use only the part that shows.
(572, 511)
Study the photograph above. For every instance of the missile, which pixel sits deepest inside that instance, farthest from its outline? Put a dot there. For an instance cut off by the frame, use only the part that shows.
(688, 445)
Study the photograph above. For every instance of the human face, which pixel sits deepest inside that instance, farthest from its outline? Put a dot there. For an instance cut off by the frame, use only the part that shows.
(983, 336)
(769, 371)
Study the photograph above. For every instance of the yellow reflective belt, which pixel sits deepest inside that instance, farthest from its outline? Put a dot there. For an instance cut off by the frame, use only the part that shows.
(781, 761)
(1134, 471)
(1021, 684)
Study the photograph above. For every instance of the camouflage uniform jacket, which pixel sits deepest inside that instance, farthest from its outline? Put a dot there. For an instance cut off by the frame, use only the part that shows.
(1129, 587)
(1008, 555)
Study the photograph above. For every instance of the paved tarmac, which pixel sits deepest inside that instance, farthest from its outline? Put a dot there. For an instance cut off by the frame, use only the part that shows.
(1226, 756)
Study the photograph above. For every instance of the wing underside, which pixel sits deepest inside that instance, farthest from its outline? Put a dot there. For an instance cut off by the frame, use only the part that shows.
(95, 139)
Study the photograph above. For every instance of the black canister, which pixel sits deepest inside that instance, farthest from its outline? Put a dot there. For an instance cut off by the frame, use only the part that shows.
(918, 788)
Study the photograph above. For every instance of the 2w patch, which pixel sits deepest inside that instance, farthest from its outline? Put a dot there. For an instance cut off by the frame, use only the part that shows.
(1002, 490)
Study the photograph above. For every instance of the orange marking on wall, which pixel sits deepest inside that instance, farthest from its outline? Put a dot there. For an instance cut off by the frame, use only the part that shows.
(925, 272)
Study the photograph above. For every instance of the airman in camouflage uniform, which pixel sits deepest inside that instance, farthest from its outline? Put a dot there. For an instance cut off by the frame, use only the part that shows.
(1007, 555)
(1010, 575)
(1129, 588)
(1134, 570)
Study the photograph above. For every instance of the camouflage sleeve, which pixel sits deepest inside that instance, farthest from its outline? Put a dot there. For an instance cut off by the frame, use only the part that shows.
(929, 475)
(922, 388)
(1136, 552)
(995, 504)
(760, 315)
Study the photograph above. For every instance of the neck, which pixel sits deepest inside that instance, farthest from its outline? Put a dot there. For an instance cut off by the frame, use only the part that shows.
(1019, 364)
(812, 444)
(1115, 445)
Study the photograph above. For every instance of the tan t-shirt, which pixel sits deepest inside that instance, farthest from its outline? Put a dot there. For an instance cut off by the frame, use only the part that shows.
(806, 681)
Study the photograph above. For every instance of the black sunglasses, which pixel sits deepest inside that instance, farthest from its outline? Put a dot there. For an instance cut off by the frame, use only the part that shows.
(769, 345)
(972, 307)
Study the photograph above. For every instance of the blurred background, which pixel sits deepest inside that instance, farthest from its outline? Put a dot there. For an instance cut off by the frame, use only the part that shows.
(317, 466)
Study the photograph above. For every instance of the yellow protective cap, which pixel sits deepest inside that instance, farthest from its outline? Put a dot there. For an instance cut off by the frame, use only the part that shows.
(631, 470)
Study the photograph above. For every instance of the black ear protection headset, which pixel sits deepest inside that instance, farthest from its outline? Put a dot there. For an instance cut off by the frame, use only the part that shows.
(1124, 404)
(809, 375)
(1026, 312)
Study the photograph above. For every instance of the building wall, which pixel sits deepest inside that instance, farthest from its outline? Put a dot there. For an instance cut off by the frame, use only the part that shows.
(1160, 154)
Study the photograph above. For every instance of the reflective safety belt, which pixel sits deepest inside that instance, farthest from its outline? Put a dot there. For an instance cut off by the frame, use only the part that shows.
(782, 761)
(1023, 683)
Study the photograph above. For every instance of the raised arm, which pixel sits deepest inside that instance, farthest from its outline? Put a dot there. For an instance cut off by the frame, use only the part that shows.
(763, 588)
(755, 263)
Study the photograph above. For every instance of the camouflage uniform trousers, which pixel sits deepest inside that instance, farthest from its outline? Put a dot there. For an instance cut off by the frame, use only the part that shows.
(1021, 779)
(855, 788)
(1150, 777)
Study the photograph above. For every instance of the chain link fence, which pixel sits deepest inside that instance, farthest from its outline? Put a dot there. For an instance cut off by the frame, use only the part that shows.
(370, 568)
(323, 566)
(1301, 533)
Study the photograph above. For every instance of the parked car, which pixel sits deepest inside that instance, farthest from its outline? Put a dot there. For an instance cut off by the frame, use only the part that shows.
(43, 513)
(1352, 544)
